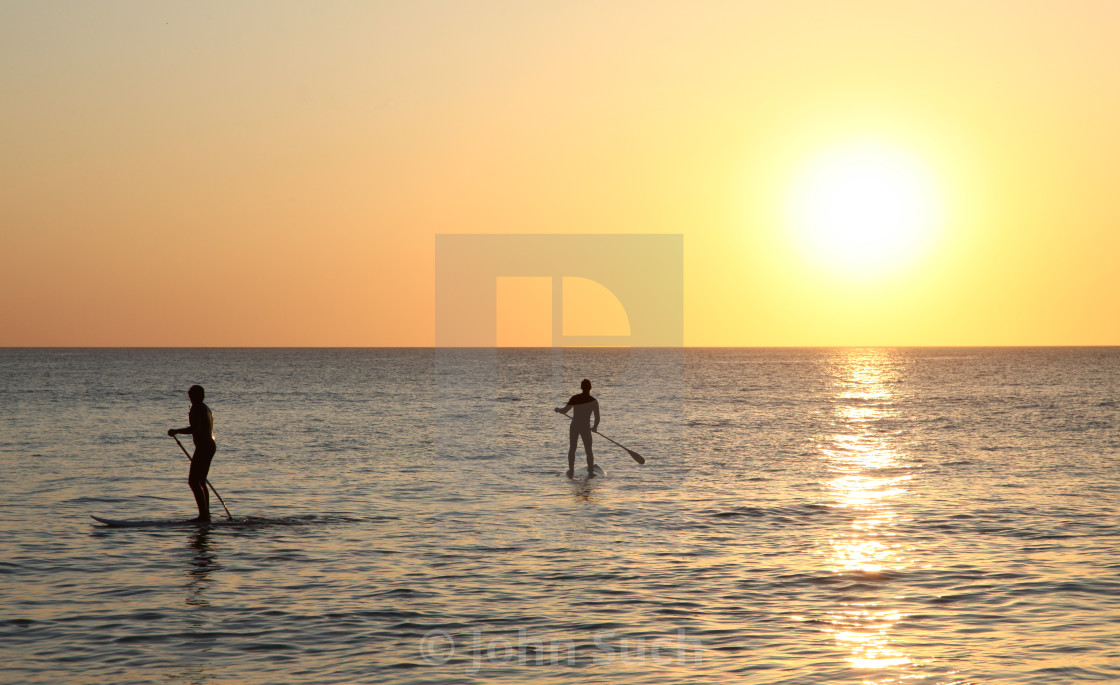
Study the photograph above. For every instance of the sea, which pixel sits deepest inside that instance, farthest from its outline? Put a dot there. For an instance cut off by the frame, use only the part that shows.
(854, 515)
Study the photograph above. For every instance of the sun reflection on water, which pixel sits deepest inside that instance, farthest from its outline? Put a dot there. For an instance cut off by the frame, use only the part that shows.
(868, 476)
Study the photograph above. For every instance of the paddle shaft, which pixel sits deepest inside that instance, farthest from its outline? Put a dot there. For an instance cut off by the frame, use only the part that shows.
(208, 480)
(637, 457)
(633, 455)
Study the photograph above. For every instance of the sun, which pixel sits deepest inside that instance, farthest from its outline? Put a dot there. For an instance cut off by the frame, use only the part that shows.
(864, 209)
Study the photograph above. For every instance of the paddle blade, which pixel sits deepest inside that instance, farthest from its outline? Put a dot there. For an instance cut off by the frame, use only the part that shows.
(635, 456)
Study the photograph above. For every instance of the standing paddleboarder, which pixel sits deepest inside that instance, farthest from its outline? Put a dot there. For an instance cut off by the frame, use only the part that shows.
(202, 430)
(584, 405)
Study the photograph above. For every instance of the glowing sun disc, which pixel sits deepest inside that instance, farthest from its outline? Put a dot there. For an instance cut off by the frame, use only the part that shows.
(864, 208)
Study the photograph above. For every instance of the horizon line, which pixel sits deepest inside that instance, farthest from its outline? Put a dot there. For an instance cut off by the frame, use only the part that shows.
(545, 347)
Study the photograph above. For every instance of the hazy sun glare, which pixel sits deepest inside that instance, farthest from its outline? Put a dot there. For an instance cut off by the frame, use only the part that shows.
(863, 209)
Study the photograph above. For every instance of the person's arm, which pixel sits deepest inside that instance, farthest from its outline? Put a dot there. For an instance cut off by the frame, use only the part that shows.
(596, 410)
(562, 410)
(189, 430)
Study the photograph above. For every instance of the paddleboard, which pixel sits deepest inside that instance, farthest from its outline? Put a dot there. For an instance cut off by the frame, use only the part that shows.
(581, 474)
(151, 523)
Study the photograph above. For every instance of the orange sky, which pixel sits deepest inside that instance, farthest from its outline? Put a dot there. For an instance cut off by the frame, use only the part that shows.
(275, 173)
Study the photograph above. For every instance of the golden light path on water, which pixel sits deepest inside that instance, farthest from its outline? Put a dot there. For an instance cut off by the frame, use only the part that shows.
(869, 476)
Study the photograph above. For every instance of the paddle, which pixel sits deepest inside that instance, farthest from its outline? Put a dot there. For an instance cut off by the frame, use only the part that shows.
(212, 487)
(633, 455)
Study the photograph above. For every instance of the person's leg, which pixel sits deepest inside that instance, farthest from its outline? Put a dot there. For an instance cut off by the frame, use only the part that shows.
(590, 455)
(199, 492)
(573, 437)
(200, 467)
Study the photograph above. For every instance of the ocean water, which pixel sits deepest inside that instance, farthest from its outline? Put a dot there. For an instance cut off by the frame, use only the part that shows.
(804, 516)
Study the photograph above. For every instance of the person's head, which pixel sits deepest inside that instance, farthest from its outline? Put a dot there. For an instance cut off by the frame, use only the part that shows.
(196, 393)
(585, 385)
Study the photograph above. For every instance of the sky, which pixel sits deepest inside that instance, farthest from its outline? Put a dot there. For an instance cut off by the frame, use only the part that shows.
(277, 173)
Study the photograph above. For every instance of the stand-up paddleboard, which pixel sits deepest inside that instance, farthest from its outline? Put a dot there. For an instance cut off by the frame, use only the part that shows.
(150, 523)
(581, 474)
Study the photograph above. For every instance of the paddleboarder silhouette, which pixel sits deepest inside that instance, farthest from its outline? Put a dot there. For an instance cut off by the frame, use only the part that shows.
(584, 405)
(202, 430)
